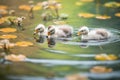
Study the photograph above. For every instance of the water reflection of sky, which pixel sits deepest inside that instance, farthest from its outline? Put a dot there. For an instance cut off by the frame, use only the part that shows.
(71, 62)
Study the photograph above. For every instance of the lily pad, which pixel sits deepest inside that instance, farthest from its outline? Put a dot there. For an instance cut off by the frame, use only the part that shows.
(86, 15)
(106, 57)
(3, 12)
(3, 7)
(117, 14)
(24, 43)
(100, 69)
(112, 4)
(28, 7)
(8, 36)
(103, 17)
(7, 30)
(13, 57)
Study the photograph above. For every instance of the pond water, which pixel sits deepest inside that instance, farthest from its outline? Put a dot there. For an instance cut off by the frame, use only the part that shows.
(92, 76)
(62, 68)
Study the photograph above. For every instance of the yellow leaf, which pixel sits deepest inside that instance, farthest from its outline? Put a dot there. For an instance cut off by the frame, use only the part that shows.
(24, 43)
(117, 14)
(86, 15)
(8, 36)
(7, 30)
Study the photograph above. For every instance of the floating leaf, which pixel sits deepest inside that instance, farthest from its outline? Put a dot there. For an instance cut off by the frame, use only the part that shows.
(100, 69)
(24, 7)
(2, 20)
(3, 12)
(3, 7)
(13, 57)
(103, 17)
(106, 57)
(28, 7)
(117, 14)
(86, 15)
(76, 77)
(8, 36)
(24, 43)
(7, 30)
(35, 8)
(112, 4)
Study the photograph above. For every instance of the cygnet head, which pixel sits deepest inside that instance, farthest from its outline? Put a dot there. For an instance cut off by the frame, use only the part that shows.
(51, 30)
(83, 30)
(40, 28)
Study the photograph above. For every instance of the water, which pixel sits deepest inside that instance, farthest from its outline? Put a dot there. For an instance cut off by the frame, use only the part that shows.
(79, 65)
(90, 75)
(64, 67)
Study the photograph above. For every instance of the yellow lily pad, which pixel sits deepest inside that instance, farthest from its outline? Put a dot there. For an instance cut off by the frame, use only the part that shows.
(100, 69)
(28, 7)
(24, 44)
(24, 7)
(3, 12)
(86, 15)
(106, 57)
(103, 17)
(35, 8)
(15, 58)
(112, 4)
(3, 7)
(76, 77)
(2, 20)
(8, 36)
(7, 30)
(117, 14)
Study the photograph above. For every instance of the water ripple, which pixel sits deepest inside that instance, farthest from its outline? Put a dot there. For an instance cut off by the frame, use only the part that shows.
(71, 62)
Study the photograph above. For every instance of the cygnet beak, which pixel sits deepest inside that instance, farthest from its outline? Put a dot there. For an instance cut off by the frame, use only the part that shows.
(36, 31)
(48, 33)
(79, 33)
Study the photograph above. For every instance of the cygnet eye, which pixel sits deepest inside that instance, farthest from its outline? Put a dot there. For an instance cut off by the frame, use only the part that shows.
(52, 30)
(38, 29)
(82, 31)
